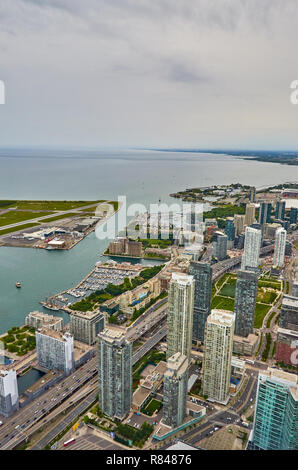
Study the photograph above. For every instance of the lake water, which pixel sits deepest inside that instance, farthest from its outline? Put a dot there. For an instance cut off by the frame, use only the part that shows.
(25, 381)
(142, 176)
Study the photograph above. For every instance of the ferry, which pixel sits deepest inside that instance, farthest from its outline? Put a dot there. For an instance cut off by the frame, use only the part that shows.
(18, 285)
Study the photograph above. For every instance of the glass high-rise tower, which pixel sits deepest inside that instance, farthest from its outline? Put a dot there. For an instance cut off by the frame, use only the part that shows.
(114, 373)
(202, 274)
(276, 416)
(245, 302)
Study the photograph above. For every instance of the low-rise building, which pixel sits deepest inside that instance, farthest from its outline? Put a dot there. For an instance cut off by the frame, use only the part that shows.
(245, 346)
(287, 346)
(39, 319)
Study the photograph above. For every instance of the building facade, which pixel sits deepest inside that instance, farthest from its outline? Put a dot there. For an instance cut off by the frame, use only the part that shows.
(114, 373)
(239, 223)
(55, 350)
(252, 246)
(220, 244)
(202, 274)
(245, 302)
(175, 390)
(280, 210)
(40, 319)
(250, 211)
(289, 313)
(85, 326)
(219, 331)
(9, 395)
(276, 416)
(265, 213)
(279, 247)
(180, 314)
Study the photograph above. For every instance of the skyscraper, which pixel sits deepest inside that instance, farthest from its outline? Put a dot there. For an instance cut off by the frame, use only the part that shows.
(180, 316)
(239, 223)
(279, 247)
(114, 373)
(219, 331)
(202, 274)
(55, 350)
(252, 245)
(276, 416)
(245, 302)
(175, 390)
(250, 211)
(230, 232)
(265, 213)
(252, 194)
(293, 215)
(280, 209)
(220, 246)
(9, 395)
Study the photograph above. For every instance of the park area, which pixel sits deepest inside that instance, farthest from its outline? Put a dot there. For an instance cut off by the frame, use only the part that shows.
(19, 340)
(223, 295)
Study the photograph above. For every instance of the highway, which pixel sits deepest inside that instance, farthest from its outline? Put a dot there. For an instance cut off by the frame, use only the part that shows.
(36, 410)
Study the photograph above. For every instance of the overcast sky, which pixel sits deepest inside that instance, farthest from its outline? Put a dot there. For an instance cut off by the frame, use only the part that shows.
(187, 73)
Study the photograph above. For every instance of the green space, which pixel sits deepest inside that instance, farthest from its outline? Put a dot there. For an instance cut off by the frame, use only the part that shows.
(19, 340)
(223, 303)
(226, 210)
(155, 242)
(270, 319)
(13, 217)
(111, 291)
(137, 436)
(266, 296)
(19, 227)
(260, 313)
(45, 205)
(153, 406)
(267, 347)
(63, 216)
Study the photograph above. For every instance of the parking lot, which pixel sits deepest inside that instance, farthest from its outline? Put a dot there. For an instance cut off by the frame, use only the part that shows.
(92, 442)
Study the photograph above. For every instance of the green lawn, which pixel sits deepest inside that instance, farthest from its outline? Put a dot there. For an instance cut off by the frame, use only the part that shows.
(260, 313)
(64, 216)
(153, 405)
(228, 290)
(223, 303)
(46, 205)
(13, 217)
(15, 229)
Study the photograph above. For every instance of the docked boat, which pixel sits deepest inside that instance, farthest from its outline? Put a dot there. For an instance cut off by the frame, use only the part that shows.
(18, 285)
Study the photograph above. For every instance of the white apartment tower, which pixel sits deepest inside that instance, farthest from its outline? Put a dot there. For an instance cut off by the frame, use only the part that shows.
(279, 247)
(180, 316)
(252, 246)
(55, 350)
(219, 332)
(9, 396)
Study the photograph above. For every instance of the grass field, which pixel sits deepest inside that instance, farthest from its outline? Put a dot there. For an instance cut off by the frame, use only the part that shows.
(58, 217)
(15, 229)
(153, 405)
(260, 313)
(13, 217)
(46, 205)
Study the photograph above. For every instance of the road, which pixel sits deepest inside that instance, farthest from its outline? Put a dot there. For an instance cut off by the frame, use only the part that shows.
(36, 410)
